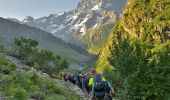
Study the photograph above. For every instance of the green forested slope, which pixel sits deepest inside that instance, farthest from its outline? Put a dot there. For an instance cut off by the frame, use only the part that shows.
(140, 51)
(148, 19)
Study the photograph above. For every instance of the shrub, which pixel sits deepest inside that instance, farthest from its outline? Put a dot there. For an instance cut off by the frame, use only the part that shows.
(1, 48)
(17, 93)
(40, 95)
(26, 50)
(73, 96)
(59, 90)
(3, 61)
(142, 67)
(12, 66)
(55, 97)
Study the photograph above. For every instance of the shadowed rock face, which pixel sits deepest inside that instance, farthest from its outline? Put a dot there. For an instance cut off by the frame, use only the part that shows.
(73, 26)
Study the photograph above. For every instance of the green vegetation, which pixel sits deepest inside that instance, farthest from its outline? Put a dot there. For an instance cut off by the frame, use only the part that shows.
(143, 69)
(139, 51)
(1, 48)
(18, 85)
(94, 51)
(105, 52)
(26, 50)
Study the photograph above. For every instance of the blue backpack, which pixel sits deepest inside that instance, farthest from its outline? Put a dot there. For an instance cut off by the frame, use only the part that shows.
(86, 81)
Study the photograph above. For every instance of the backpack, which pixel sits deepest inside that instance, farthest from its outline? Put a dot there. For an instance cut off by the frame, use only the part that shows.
(66, 77)
(100, 87)
(85, 81)
(69, 78)
(73, 77)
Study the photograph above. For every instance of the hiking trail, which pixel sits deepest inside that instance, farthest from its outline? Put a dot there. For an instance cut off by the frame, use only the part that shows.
(61, 83)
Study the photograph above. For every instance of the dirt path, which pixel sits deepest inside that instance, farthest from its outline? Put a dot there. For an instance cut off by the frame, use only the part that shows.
(71, 88)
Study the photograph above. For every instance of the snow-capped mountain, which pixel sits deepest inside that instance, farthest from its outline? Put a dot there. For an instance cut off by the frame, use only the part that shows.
(84, 24)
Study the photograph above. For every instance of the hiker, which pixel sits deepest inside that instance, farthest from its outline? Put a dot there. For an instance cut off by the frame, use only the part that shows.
(64, 77)
(67, 77)
(85, 87)
(73, 79)
(91, 79)
(102, 89)
(79, 79)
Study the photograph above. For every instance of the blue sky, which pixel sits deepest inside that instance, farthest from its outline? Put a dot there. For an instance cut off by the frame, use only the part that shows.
(36, 8)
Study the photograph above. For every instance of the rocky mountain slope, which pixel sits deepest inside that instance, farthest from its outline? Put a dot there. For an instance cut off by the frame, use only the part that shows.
(148, 20)
(10, 30)
(88, 24)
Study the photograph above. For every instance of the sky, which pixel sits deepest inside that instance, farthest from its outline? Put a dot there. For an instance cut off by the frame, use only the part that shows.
(36, 8)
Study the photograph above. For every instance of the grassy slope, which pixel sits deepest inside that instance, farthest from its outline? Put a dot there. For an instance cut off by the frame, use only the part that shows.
(26, 84)
(104, 54)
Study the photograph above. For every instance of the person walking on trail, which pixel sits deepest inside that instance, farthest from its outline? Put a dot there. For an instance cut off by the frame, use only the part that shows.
(102, 89)
(85, 87)
(73, 78)
(65, 77)
(79, 79)
(91, 80)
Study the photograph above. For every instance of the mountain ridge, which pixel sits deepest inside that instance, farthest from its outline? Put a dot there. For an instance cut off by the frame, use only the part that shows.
(86, 26)
(10, 30)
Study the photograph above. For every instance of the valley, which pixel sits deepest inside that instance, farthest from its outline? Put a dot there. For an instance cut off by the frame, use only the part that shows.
(119, 46)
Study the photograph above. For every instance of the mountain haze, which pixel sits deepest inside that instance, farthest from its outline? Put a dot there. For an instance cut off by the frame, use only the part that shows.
(10, 30)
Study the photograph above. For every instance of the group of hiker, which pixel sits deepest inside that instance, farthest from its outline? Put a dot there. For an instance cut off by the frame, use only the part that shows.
(93, 84)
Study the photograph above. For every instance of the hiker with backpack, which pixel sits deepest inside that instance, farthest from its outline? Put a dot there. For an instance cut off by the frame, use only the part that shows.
(65, 77)
(92, 73)
(85, 87)
(102, 89)
(79, 79)
(73, 79)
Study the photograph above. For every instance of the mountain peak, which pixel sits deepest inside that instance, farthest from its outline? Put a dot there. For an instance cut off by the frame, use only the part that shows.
(87, 21)
(28, 19)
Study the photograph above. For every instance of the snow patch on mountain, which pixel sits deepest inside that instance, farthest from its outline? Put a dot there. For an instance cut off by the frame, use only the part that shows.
(107, 5)
(61, 27)
(81, 26)
(75, 17)
(60, 13)
(97, 7)
(84, 21)
(83, 31)
(95, 25)
(77, 25)
(54, 25)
